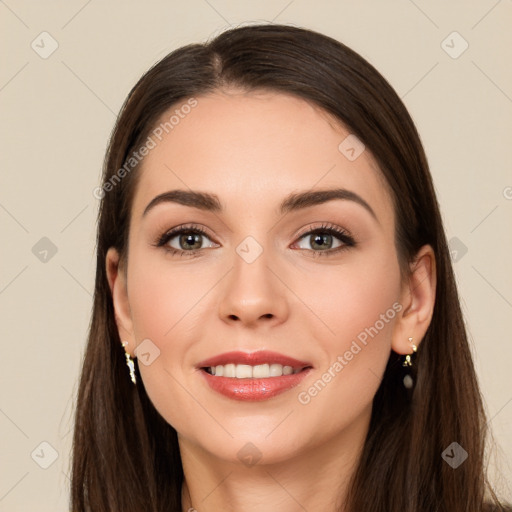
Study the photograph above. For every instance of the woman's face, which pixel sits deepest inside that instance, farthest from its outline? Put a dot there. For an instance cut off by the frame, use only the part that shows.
(259, 280)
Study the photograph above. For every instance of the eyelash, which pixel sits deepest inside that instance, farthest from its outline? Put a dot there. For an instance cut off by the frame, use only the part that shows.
(329, 229)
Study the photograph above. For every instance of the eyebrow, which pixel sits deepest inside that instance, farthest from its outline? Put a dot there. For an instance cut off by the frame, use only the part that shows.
(293, 202)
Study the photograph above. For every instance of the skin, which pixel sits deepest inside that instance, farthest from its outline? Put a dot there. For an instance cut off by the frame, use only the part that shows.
(253, 149)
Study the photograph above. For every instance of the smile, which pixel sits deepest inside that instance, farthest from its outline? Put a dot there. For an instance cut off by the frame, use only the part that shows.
(253, 376)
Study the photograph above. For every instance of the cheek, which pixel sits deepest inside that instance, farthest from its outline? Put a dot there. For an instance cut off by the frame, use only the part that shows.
(359, 304)
(348, 299)
(169, 305)
(166, 306)
(161, 300)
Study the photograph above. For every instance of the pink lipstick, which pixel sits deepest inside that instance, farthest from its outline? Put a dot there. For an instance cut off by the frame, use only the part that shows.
(253, 376)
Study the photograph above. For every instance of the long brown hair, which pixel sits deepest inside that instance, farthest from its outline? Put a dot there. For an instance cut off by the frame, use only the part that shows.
(125, 455)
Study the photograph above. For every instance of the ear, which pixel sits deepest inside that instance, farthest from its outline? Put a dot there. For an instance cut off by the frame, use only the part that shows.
(417, 298)
(116, 275)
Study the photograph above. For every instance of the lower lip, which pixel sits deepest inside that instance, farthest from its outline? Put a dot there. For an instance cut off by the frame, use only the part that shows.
(254, 389)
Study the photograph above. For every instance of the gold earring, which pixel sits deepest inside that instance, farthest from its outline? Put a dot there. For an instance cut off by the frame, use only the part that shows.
(407, 361)
(130, 363)
(408, 380)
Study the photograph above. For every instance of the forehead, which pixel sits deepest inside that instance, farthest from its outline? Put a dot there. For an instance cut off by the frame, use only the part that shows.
(252, 149)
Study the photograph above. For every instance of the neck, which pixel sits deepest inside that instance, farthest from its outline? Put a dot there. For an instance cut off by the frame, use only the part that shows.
(317, 478)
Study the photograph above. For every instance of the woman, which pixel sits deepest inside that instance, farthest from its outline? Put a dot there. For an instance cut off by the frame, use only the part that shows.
(276, 324)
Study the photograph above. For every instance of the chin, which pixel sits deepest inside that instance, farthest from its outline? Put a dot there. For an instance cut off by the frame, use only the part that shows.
(249, 451)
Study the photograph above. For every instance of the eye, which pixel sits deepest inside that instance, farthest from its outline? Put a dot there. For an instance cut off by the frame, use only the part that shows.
(188, 240)
(183, 240)
(327, 240)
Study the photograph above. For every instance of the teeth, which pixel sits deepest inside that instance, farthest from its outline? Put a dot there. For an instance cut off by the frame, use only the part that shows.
(229, 370)
(287, 370)
(245, 371)
(261, 371)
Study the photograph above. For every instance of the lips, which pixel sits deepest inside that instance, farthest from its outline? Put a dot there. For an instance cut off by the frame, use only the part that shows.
(253, 359)
(242, 385)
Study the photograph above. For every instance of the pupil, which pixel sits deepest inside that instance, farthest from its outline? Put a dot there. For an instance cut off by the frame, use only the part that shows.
(321, 241)
(190, 239)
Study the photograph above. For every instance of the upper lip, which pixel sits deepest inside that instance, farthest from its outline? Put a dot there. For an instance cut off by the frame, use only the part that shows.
(253, 359)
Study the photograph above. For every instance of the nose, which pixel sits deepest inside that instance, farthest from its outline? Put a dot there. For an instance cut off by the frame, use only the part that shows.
(254, 293)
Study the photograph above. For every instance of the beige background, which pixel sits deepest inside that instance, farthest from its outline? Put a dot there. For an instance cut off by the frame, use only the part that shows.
(57, 113)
